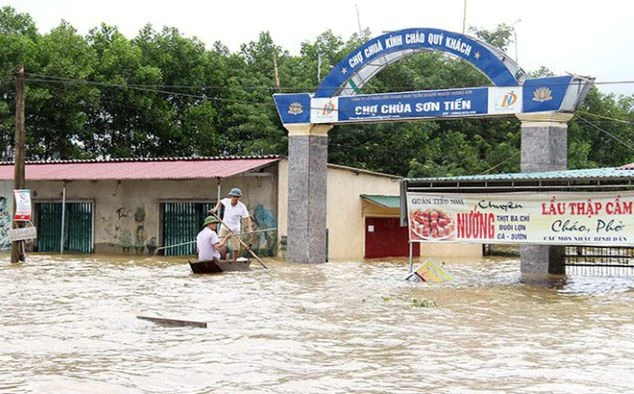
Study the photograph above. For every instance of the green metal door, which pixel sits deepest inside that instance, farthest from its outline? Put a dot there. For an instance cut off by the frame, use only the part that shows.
(181, 223)
(77, 227)
(49, 223)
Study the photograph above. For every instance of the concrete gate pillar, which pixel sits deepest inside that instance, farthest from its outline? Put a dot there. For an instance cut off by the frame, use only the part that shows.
(544, 148)
(307, 160)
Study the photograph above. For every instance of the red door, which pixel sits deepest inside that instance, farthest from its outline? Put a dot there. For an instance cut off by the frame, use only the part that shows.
(384, 237)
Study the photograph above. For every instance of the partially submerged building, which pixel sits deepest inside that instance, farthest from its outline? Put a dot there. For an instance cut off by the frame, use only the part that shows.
(594, 228)
(139, 206)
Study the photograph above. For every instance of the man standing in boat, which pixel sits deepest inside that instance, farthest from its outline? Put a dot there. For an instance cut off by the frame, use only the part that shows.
(235, 211)
(207, 242)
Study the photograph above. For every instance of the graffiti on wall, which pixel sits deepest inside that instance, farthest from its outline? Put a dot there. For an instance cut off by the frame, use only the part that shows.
(266, 231)
(127, 229)
(5, 223)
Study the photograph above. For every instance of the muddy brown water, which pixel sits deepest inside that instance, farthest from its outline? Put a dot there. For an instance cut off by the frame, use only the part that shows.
(69, 325)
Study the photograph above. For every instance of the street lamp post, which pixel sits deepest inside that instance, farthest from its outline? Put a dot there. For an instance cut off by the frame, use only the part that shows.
(515, 36)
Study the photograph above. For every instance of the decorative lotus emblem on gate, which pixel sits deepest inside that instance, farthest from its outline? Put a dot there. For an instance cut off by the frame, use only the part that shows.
(542, 94)
(295, 108)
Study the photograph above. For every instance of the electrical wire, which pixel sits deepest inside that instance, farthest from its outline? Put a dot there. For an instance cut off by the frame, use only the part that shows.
(605, 132)
(123, 86)
(148, 88)
(158, 91)
(500, 163)
(162, 89)
(41, 77)
(270, 89)
(606, 117)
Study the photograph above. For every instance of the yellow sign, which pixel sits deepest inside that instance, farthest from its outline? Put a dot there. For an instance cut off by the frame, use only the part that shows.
(432, 272)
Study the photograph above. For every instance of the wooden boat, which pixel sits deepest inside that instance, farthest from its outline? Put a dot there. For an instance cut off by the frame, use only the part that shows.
(217, 266)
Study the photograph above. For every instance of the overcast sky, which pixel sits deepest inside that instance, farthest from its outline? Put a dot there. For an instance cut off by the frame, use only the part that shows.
(594, 38)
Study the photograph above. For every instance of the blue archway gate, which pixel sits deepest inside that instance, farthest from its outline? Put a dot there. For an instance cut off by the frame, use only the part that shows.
(364, 62)
(544, 105)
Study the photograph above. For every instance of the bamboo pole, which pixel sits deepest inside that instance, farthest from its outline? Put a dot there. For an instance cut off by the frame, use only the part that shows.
(241, 241)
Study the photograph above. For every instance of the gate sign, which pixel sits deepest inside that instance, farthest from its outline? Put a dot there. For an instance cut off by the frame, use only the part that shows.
(559, 218)
(535, 95)
(422, 104)
(351, 73)
(22, 205)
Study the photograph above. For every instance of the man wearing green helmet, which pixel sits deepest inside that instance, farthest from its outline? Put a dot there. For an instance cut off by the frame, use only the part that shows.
(209, 246)
(235, 211)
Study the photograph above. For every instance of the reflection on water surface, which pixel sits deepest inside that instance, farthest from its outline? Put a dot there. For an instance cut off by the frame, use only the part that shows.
(68, 324)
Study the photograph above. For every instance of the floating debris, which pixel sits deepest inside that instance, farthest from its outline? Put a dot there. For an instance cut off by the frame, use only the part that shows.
(429, 271)
(423, 303)
(173, 322)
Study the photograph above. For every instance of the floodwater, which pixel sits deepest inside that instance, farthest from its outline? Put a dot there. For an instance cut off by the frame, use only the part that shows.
(69, 325)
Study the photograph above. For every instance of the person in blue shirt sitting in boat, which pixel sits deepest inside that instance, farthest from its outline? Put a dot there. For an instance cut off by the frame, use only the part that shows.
(235, 211)
(208, 244)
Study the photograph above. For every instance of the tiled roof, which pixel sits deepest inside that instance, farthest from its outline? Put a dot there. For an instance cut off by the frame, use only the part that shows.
(130, 169)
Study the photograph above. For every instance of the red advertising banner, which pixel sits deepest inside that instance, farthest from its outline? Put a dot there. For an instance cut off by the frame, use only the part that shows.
(564, 218)
(22, 205)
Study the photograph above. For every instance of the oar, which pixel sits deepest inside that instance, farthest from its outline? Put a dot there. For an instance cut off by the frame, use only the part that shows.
(262, 230)
(241, 241)
(191, 242)
(172, 246)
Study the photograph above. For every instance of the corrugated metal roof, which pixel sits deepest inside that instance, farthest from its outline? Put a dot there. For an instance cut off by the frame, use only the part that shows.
(623, 172)
(131, 169)
(383, 201)
(361, 171)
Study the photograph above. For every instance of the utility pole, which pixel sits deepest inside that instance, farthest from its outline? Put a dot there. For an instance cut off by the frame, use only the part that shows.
(277, 74)
(358, 19)
(464, 17)
(17, 252)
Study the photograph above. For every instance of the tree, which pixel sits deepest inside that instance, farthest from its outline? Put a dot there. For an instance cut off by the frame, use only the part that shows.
(250, 122)
(164, 94)
(59, 106)
(600, 132)
(438, 148)
(19, 41)
(499, 38)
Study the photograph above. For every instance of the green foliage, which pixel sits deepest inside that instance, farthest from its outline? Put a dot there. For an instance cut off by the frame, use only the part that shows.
(499, 38)
(423, 303)
(163, 94)
(600, 133)
(542, 72)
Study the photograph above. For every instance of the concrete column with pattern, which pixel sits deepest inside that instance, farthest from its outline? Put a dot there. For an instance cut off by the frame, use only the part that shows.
(544, 148)
(307, 192)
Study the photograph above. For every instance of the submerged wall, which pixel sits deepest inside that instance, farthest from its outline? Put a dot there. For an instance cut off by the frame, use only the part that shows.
(127, 213)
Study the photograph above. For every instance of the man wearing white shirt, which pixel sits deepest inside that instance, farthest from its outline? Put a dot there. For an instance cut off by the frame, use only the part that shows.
(235, 211)
(208, 244)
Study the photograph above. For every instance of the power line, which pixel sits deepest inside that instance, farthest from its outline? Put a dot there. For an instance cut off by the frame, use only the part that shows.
(214, 98)
(149, 90)
(605, 132)
(271, 89)
(40, 77)
(606, 117)
(163, 89)
(502, 162)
